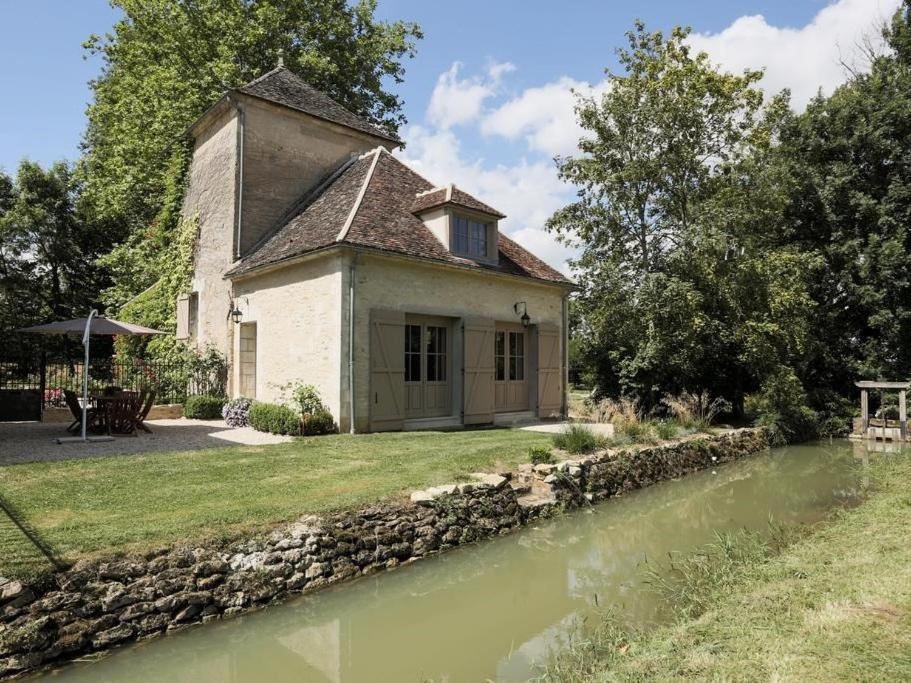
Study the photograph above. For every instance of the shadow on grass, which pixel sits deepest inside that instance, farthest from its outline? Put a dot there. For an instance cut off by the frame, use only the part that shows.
(31, 534)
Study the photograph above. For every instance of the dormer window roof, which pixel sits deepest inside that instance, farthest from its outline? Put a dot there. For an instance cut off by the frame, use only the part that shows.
(451, 195)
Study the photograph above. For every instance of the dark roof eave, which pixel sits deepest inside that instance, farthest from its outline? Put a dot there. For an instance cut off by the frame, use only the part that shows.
(235, 274)
(450, 202)
(191, 130)
(377, 134)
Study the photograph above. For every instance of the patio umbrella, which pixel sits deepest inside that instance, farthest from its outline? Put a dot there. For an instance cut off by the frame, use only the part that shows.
(93, 324)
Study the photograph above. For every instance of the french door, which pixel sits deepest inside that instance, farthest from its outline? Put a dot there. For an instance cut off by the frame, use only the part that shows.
(428, 375)
(510, 369)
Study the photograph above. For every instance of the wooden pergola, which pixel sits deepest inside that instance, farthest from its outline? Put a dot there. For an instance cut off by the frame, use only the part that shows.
(902, 389)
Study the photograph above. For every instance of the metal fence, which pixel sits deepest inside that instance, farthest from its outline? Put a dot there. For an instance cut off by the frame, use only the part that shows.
(172, 382)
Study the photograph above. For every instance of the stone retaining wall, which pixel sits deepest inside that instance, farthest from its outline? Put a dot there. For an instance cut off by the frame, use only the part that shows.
(96, 605)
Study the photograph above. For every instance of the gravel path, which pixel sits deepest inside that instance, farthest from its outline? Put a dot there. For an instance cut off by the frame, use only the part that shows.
(605, 429)
(35, 441)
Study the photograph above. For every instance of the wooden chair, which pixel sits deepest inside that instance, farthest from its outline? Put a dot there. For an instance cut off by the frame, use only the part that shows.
(146, 400)
(121, 415)
(72, 402)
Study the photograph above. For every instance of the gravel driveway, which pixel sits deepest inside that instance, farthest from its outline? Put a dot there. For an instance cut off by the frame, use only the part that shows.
(36, 441)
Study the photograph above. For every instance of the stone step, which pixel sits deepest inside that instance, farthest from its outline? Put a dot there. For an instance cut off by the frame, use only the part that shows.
(536, 500)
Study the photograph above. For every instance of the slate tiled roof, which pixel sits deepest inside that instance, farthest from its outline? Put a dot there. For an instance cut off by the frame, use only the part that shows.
(451, 195)
(369, 203)
(284, 87)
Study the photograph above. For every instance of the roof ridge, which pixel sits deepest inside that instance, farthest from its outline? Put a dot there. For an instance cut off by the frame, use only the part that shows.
(266, 75)
(376, 152)
(430, 191)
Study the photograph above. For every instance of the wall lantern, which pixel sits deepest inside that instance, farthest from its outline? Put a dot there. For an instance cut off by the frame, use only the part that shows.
(521, 305)
(236, 315)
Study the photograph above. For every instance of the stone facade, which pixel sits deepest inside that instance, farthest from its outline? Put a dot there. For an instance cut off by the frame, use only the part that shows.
(96, 605)
(298, 320)
(429, 289)
(211, 199)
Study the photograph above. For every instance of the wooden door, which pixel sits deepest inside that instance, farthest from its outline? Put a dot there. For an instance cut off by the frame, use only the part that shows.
(247, 360)
(428, 375)
(550, 372)
(511, 373)
(387, 370)
(478, 371)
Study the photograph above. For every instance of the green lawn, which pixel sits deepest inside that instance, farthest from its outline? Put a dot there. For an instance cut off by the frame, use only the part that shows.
(834, 606)
(96, 506)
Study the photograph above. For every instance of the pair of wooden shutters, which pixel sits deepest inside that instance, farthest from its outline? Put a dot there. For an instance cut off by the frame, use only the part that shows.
(387, 371)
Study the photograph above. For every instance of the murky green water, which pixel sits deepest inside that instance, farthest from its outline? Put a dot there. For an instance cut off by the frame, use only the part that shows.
(493, 610)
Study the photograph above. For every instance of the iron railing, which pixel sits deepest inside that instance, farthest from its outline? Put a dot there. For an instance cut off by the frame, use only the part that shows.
(172, 382)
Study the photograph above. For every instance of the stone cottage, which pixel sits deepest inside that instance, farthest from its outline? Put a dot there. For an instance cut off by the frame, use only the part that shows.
(323, 258)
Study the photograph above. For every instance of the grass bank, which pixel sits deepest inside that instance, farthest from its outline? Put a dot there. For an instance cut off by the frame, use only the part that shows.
(835, 604)
(92, 507)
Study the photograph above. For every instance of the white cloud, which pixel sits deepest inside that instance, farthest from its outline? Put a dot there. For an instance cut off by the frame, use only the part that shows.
(544, 116)
(802, 59)
(460, 100)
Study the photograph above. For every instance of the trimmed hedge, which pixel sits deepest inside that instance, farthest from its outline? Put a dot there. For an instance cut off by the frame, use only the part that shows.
(203, 407)
(274, 418)
(320, 422)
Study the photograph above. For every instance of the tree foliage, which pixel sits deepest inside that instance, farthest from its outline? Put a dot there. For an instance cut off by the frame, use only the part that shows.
(48, 250)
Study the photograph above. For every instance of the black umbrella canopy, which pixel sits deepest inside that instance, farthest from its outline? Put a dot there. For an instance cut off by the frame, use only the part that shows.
(100, 325)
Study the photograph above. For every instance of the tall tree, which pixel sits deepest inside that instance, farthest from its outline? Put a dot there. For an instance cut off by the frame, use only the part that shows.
(676, 292)
(48, 252)
(850, 206)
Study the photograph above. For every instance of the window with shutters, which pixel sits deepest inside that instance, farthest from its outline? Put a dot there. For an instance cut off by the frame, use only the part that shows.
(193, 316)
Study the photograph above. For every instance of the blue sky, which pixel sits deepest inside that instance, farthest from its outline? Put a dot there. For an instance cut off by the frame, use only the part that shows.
(486, 96)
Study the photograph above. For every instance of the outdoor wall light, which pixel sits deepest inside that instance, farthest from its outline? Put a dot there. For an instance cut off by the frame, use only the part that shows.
(521, 305)
(236, 315)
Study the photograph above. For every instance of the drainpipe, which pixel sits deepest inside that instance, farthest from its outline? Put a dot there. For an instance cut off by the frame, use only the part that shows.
(352, 271)
(239, 173)
(564, 370)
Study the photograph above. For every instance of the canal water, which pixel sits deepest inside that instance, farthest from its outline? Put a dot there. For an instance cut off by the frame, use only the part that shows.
(493, 610)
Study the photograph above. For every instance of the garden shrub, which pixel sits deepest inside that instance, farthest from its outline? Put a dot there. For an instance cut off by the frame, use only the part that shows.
(540, 455)
(304, 397)
(781, 407)
(577, 439)
(274, 418)
(320, 422)
(694, 410)
(236, 412)
(665, 429)
(203, 407)
(642, 432)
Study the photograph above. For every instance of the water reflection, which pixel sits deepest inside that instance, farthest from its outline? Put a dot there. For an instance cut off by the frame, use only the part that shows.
(494, 609)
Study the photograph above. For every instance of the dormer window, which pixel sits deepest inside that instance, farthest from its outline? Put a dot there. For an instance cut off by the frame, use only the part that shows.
(470, 237)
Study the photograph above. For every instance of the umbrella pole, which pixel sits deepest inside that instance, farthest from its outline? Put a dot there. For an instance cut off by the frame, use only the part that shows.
(86, 337)
(85, 372)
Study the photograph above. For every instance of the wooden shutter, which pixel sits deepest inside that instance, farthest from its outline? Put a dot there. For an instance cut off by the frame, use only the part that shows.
(387, 370)
(478, 377)
(183, 316)
(550, 372)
